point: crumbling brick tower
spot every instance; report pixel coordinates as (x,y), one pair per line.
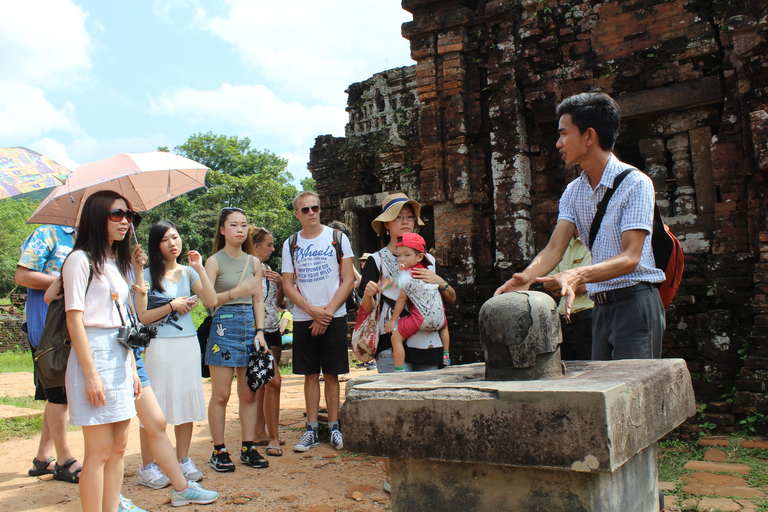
(475,142)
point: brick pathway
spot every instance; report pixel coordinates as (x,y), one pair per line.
(716,484)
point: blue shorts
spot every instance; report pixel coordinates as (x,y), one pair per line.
(143,377)
(231,340)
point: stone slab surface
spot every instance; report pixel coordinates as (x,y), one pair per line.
(9,411)
(596,417)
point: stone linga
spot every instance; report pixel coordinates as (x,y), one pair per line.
(584,440)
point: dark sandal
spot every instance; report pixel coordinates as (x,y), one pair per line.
(265,442)
(63,473)
(274,451)
(41,467)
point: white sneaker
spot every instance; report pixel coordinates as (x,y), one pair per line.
(190,471)
(192,494)
(151,476)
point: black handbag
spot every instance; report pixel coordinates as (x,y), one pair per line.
(55,343)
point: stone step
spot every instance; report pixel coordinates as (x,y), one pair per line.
(8,412)
(718,490)
(723,467)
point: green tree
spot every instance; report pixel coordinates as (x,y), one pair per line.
(13,217)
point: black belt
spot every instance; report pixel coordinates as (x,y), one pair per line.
(620,293)
(576,317)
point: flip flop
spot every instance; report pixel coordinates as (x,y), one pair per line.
(64,474)
(274,451)
(41,467)
(266,442)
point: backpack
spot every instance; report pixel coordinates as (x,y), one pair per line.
(667,250)
(55,343)
(353,301)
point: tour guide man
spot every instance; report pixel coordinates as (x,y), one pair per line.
(628,318)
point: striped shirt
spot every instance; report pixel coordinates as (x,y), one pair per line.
(631,207)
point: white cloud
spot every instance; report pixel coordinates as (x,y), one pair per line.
(297,166)
(258,110)
(54,150)
(43,42)
(314,47)
(25,113)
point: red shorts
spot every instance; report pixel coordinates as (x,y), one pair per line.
(409,325)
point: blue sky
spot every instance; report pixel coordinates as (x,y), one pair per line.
(84,80)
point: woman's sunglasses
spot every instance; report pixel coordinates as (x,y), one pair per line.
(315,209)
(229,209)
(117,215)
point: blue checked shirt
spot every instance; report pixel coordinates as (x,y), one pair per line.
(631,207)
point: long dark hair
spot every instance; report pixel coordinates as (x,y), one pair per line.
(218,240)
(93,234)
(156,260)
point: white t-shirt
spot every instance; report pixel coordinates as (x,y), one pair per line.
(317,270)
(98,308)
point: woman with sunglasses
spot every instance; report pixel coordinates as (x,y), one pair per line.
(424,350)
(268,397)
(101,379)
(236,277)
(172,360)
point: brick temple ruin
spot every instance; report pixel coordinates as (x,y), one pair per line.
(470,132)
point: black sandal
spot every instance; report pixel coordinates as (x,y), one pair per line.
(63,473)
(41,467)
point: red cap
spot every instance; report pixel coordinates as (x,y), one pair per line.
(412,240)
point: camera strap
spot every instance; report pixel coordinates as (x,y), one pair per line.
(115,297)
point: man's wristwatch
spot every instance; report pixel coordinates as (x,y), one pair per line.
(261,329)
(443,286)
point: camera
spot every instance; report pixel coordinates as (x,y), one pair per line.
(131,337)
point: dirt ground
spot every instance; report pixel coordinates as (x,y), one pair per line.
(321,480)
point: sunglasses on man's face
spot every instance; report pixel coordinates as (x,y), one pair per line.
(315,208)
(117,215)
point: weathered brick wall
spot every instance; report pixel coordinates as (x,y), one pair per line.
(691,78)
(11,334)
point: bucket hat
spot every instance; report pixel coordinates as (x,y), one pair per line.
(390,209)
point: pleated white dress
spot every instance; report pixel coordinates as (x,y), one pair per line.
(172,360)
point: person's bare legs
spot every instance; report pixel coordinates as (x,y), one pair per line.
(445,339)
(54,435)
(115,466)
(221,387)
(332,388)
(146,450)
(397,349)
(183,434)
(247,411)
(312,396)
(102,475)
(272,408)
(151,416)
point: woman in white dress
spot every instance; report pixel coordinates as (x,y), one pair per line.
(101,379)
(173,358)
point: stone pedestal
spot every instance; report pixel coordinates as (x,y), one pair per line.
(585,441)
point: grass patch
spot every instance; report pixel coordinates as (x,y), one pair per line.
(23,428)
(26,402)
(286,369)
(16,360)
(674,454)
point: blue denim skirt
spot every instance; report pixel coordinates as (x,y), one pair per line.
(231,338)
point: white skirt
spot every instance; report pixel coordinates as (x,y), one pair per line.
(113,365)
(173,367)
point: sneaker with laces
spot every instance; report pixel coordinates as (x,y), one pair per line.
(151,476)
(307,441)
(337,441)
(126,505)
(221,462)
(372,365)
(190,471)
(446,360)
(194,493)
(251,457)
